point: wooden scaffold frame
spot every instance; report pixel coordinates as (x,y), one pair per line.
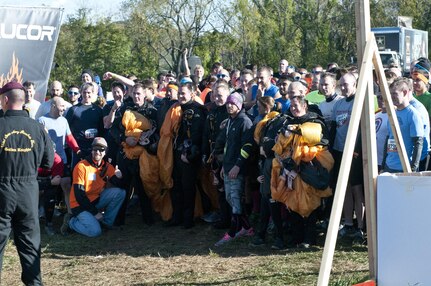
(363,111)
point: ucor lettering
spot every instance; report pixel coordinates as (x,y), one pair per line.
(26,32)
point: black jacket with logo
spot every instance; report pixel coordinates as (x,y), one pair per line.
(189,137)
(213,124)
(235,142)
(24,147)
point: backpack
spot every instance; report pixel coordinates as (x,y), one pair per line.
(314,174)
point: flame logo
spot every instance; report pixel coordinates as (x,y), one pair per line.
(15,73)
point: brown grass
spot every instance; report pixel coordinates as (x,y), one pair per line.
(156,255)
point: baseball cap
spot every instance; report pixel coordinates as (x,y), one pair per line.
(99,141)
(185,80)
(11,85)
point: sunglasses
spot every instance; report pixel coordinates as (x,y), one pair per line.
(295,96)
(72,93)
(100,149)
(221,75)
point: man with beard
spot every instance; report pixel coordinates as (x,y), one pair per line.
(187,157)
(55,89)
(264,87)
(59,131)
(283,85)
(127,162)
(93,201)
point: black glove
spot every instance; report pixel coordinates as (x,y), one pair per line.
(289,164)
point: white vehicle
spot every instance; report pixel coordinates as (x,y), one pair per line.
(401,45)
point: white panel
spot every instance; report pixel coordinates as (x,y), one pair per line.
(404,229)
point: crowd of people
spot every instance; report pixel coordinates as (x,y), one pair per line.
(225,148)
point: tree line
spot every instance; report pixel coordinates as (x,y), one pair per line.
(152,34)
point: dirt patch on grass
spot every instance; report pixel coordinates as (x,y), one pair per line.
(157,255)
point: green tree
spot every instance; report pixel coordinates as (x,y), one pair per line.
(102,46)
(153,34)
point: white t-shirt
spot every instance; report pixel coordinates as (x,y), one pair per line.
(326,108)
(381,134)
(33,107)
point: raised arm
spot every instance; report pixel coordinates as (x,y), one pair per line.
(186,62)
(117,77)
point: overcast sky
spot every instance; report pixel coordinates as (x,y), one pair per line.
(107,7)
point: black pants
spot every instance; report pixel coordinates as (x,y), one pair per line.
(19,212)
(304,228)
(48,198)
(184,190)
(132,182)
(423,165)
(225,208)
(48,195)
(270,208)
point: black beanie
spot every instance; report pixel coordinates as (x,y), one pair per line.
(88,71)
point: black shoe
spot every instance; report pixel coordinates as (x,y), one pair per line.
(188,225)
(291,243)
(64,229)
(49,229)
(304,245)
(172,222)
(257,241)
(278,244)
(148,221)
(221,225)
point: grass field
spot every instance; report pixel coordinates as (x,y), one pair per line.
(156,255)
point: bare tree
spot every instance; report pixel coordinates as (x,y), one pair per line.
(170,26)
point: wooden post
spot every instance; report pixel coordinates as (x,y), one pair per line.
(369,154)
(368,131)
(366,43)
(346,162)
(370,55)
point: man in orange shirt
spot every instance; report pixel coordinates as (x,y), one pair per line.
(94,199)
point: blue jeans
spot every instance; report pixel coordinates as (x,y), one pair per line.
(86,223)
(234,189)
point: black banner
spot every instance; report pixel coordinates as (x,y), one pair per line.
(28,37)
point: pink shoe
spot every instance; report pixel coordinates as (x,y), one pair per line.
(225,239)
(245,232)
